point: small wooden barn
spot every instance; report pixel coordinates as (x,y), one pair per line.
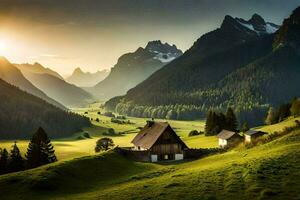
(252,135)
(228,138)
(160,140)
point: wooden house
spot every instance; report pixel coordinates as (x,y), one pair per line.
(160,140)
(252,135)
(228,138)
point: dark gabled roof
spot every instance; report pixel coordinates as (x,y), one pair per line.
(225,134)
(252,132)
(149,134)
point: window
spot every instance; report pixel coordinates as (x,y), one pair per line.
(166,157)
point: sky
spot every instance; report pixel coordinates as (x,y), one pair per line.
(93,34)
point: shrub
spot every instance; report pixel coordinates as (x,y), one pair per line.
(193,133)
(104,144)
(86,135)
(121,117)
(109,114)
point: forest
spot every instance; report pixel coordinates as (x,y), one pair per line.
(22,113)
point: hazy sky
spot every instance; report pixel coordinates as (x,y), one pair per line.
(92,34)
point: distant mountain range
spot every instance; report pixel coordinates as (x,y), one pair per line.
(86,79)
(12,75)
(58,89)
(133,68)
(245,64)
(22,114)
(38,69)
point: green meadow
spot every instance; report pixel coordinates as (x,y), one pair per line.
(268,171)
(78,146)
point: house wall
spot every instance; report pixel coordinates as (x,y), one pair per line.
(138,148)
(178,156)
(154,158)
(247,138)
(167,143)
(222,142)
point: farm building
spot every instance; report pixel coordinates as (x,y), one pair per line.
(228,138)
(161,141)
(252,135)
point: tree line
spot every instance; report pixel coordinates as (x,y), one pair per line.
(284,111)
(40,151)
(216,122)
(22,113)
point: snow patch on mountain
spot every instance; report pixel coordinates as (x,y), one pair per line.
(270,28)
(165,58)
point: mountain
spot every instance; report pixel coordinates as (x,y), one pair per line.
(236,65)
(14,76)
(86,79)
(38,69)
(22,113)
(133,68)
(58,89)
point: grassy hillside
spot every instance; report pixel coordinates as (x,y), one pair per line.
(269,171)
(279,126)
(72,147)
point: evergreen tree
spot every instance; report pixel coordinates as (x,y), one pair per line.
(209,123)
(283,112)
(40,150)
(16,162)
(295,108)
(3,161)
(271,117)
(231,120)
(245,127)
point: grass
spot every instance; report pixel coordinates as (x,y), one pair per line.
(75,146)
(279,126)
(72,147)
(269,171)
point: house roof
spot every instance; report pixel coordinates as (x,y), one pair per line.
(225,134)
(252,132)
(150,133)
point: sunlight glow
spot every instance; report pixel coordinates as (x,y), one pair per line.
(3,48)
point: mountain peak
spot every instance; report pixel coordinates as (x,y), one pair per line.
(156,46)
(78,71)
(153,44)
(257,19)
(256,25)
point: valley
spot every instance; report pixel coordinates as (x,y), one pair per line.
(147,100)
(259,172)
(77,146)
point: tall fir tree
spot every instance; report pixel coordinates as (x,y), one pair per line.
(3,161)
(271,117)
(231,120)
(245,127)
(40,150)
(295,107)
(16,162)
(209,123)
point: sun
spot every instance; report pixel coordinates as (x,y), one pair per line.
(3,48)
